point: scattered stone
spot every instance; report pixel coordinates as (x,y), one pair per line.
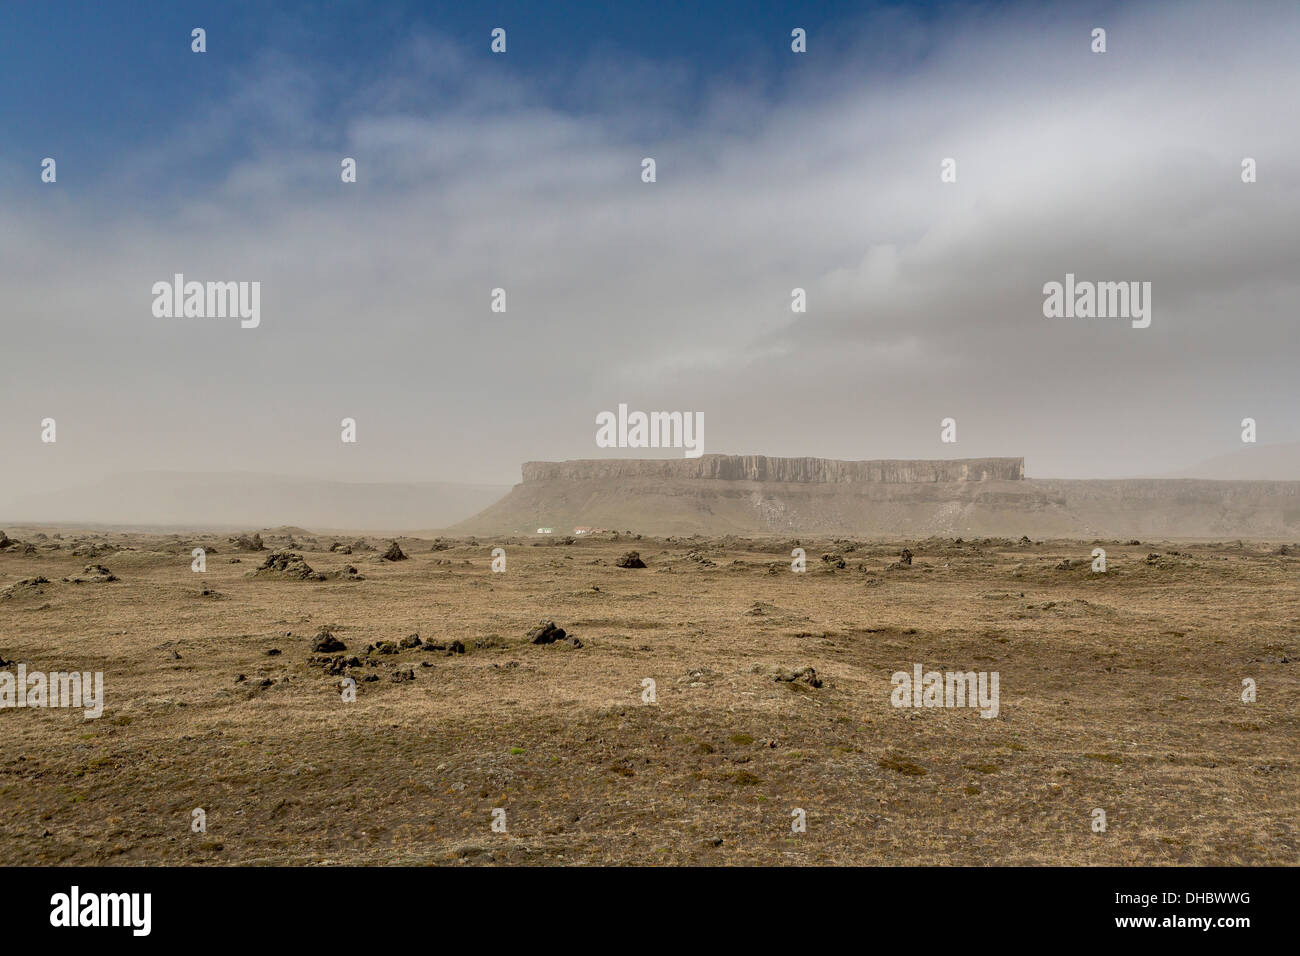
(327,643)
(905,557)
(456,647)
(348,573)
(6,541)
(412,640)
(834,560)
(394,553)
(546,633)
(401,676)
(630,560)
(92,574)
(1064,565)
(385,647)
(335,665)
(23,588)
(575,642)
(245,543)
(273,652)
(173,655)
(1153,558)
(340,548)
(805,674)
(698,677)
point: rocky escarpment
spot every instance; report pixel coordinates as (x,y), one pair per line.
(762,468)
(880,499)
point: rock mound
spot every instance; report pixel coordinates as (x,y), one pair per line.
(804,674)
(546,633)
(287,564)
(327,643)
(92,574)
(24,588)
(394,553)
(630,560)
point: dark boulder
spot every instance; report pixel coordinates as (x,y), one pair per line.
(327,643)
(546,633)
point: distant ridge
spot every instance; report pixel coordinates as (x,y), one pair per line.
(242,500)
(1275,462)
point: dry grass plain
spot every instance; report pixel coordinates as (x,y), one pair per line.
(1119,691)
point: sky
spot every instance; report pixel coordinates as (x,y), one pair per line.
(775,170)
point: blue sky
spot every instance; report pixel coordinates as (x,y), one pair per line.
(89,80)
(775,171)
(106,87)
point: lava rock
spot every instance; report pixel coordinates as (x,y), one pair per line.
(327,643)
(805,674)
(289,565)
(546,633)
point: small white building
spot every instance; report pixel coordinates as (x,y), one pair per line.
(545,531)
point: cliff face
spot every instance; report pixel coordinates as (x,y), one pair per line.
(762,468)
(725,494)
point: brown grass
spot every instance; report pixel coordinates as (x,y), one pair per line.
(1118,691)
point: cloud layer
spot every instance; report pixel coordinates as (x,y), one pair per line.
(924,298)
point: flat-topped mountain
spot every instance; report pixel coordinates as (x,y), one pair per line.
(762,468)
(753,494)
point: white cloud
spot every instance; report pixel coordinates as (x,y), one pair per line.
(924,298)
